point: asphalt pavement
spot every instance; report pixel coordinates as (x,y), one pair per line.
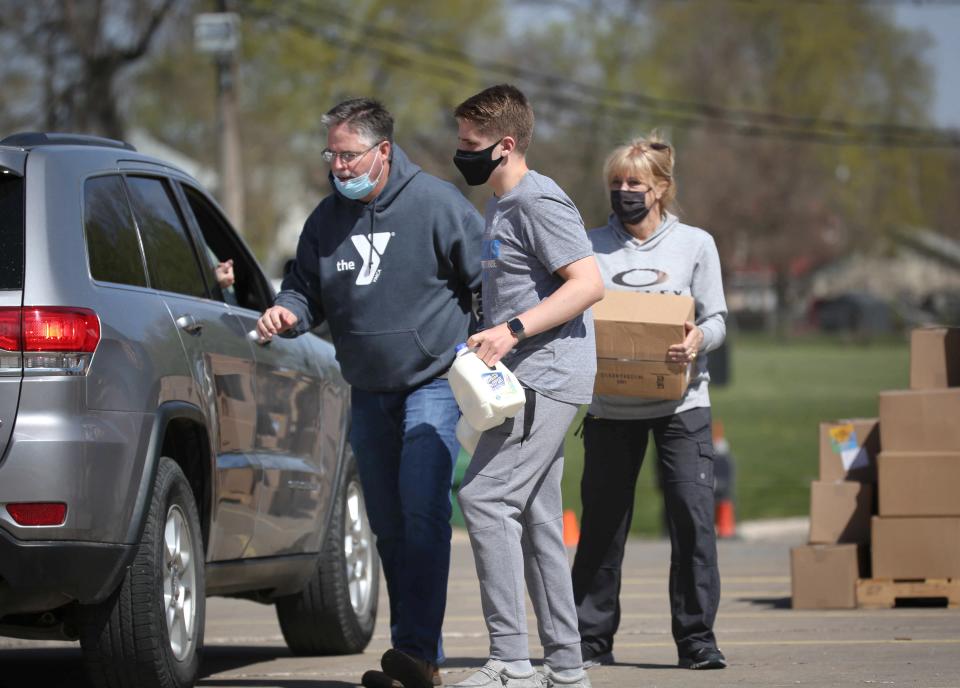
(766,642)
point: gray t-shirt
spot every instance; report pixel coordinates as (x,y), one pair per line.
(531,231)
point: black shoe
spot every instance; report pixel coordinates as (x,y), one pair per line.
(704,658)
(378,679)
(412,672)
(603,659)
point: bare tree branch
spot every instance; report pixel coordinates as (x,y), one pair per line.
(141,46)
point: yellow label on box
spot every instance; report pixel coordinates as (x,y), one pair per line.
(843,437)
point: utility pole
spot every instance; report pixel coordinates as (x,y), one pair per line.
(218,33)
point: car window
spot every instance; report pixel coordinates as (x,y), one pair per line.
(249,289)
(11,232)
(171,260)
(113,248)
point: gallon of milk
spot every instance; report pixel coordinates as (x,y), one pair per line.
(486,396)
(467,436)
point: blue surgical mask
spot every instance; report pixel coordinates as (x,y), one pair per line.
(360,186)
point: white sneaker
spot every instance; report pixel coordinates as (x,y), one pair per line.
(494,674)
(554,681)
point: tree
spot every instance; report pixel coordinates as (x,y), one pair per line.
(768,186)
(772,201)
(79,51)
(297,60)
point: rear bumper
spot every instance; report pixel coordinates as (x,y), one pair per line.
(92,461)
(83,571)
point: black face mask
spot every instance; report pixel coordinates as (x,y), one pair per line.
(629,206)
(477,166)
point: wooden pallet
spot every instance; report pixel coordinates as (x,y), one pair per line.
(883,593)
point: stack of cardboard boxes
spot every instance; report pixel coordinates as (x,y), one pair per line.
(825,572)
(915,538)
(916,534)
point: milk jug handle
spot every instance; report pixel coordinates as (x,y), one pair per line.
(463,348)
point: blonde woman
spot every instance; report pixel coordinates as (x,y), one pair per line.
(644,247)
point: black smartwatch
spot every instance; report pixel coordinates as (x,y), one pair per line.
(516,328)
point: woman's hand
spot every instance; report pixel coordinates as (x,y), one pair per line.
(493,344)
(686,352)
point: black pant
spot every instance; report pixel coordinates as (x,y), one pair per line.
(613,454)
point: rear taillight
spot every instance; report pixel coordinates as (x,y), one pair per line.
(38,513)
(10,329)
(54,340)
(50,328)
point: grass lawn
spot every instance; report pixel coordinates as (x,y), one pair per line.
(771,411)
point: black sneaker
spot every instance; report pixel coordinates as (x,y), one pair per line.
(603,659)
(378,679)
(412,672)
(704,658)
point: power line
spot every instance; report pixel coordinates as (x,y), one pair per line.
(840,3)
(680,113)
(837,3)
(751,120)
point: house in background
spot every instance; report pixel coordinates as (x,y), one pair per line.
(915,282)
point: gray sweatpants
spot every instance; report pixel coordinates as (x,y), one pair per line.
(510,498)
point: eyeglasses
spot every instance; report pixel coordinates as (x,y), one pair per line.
(346,157)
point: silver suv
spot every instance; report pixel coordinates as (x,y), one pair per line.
(151,453)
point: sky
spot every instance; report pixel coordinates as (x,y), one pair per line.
(942,22)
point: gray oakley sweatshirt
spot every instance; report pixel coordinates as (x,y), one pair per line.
(675,259)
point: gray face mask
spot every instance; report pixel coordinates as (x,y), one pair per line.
(629,206)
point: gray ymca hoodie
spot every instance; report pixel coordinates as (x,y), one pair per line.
(393,277)
(675,259)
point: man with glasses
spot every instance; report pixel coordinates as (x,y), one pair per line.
(391,260)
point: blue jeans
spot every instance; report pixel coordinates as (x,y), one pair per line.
(406,449)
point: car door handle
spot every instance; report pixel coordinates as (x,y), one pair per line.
(254,337)
(188,323)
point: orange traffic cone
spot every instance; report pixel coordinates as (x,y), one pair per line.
(724,519)
(571,531)
(723,515)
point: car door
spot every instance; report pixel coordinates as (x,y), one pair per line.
(220,355)
(12,237)
(292,384)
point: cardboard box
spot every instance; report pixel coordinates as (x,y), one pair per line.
(916,547)
(918,483)
(920,420)
(634,331)
(934,358)
(840,512)
(848,450)
(825,576)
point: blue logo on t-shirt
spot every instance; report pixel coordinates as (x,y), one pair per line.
(489,253)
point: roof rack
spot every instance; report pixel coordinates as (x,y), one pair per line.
(32,139)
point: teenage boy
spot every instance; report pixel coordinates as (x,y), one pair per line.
(539,279)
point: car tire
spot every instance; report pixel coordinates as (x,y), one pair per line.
(336,611)
(149,632)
